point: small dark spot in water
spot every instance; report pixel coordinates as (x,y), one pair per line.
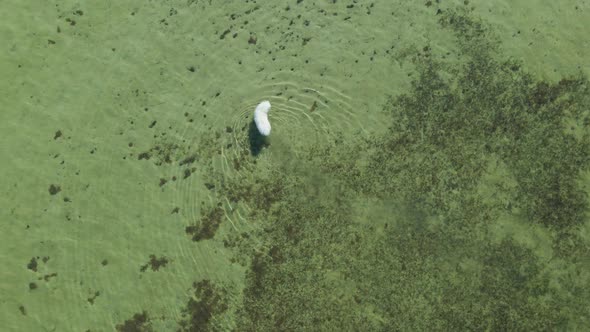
(139,323)
(54,189)
(188,160)
(93,297)
(144,155)
(313,106)
(187,172)
(155,263)
(222,36)
(48,276)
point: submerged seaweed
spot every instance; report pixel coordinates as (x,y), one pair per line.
(399,232)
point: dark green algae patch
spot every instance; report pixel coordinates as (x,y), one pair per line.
(398,231)
(432,261)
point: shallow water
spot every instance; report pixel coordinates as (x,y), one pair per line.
(427,167)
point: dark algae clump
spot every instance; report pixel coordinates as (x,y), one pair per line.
(201,310)
(412,238)
(155,263)
(488,112)
(140,322)
(207,226)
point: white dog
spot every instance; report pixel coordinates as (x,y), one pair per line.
(261,118)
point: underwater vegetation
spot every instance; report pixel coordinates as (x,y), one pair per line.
(399,231)
(208,301)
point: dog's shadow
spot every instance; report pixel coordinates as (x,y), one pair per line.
(256,139)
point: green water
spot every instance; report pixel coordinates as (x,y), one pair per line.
(427,170)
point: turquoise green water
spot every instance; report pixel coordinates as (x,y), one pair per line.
(427,170)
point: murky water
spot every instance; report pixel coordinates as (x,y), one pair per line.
(428,166)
